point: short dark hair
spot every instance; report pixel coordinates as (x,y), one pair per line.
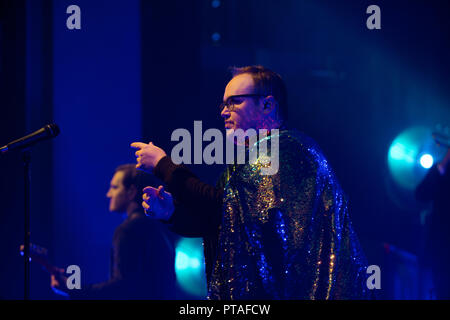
(267,82)
(137,178)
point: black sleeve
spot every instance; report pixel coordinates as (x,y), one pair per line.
(426,190)
(197,204)
(126,259)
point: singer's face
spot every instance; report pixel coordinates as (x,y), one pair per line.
(246,112)
(117,194)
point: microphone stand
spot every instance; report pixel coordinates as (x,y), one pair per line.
(47,132)
(26,158)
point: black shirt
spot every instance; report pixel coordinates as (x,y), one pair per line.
(142,263)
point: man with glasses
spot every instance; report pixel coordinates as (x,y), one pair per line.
(282,236)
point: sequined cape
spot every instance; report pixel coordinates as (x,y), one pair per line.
(281,236)
(287,235)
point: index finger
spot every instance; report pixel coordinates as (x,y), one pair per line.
(138,145)
(149,190)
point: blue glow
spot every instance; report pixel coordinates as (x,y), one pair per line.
(215,36)
(215,4)
(426,161)
(402,152)
(181,261)
(194,263)
(404,156)
(189,266)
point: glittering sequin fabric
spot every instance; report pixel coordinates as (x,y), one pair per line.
(287,235)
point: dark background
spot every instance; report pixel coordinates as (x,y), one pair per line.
(137,70)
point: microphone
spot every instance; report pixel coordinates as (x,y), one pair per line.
(47,132)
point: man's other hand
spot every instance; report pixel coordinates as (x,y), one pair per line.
(157,203)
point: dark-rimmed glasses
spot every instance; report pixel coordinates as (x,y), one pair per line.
(230,102)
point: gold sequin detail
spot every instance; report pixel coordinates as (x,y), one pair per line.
(287,235)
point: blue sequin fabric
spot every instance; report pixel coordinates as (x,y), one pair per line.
(287,235)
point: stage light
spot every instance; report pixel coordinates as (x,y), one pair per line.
(412,151)
(215,36)
(426,161)
(215,4)
(181,261)
(189,266)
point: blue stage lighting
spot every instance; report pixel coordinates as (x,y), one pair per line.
(412,151)
(190,267)
(215,36)
(215,4)
(426,161)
